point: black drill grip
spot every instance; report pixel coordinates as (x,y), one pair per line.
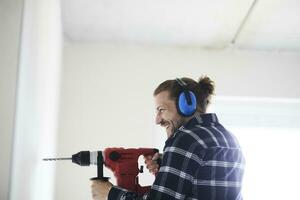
(100,168)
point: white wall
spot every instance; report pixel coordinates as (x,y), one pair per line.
(10,20)
(37,101)
(107,94)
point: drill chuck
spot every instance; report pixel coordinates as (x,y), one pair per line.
(81,158)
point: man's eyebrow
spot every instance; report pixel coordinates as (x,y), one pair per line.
(158,107)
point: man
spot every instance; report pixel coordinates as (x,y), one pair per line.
(201,159)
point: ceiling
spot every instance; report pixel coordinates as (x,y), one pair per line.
(214,24)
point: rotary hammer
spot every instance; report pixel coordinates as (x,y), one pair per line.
(123,162)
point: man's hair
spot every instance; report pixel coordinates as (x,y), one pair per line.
(203,89)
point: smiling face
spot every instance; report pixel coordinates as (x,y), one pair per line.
(166,113)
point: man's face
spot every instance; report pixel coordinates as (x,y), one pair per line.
(166,113)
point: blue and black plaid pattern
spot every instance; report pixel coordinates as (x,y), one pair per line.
(202,160)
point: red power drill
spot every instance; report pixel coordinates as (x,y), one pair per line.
(123,162)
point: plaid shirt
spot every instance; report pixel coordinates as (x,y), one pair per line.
(202,160)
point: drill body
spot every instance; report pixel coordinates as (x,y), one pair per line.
(123,163)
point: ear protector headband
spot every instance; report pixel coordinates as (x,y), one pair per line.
(186,101)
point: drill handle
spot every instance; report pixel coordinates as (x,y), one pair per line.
(100,163)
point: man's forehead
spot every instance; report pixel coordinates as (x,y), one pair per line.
(164,94)
(163,99)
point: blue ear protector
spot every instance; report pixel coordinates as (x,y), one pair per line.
(186,100)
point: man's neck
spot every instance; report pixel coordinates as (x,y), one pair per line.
(186,119)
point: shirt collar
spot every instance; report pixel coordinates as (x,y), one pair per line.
(202,119)
(206,119)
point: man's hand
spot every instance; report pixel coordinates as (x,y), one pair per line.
(100,189)
(151,163)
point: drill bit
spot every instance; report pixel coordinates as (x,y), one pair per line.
(55,159)
(81,158)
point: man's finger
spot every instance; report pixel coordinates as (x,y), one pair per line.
(153,167)
(155,156)
(154,171)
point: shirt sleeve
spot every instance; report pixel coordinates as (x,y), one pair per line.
(120,193)
(175,176)
(179,164)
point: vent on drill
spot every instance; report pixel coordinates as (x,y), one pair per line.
(114,156)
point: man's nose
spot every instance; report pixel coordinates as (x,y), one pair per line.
(158,119)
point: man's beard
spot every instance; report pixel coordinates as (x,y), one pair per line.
(176,125)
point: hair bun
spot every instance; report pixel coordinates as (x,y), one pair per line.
(207,86)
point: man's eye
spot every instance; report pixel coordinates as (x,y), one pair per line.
(161,110)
